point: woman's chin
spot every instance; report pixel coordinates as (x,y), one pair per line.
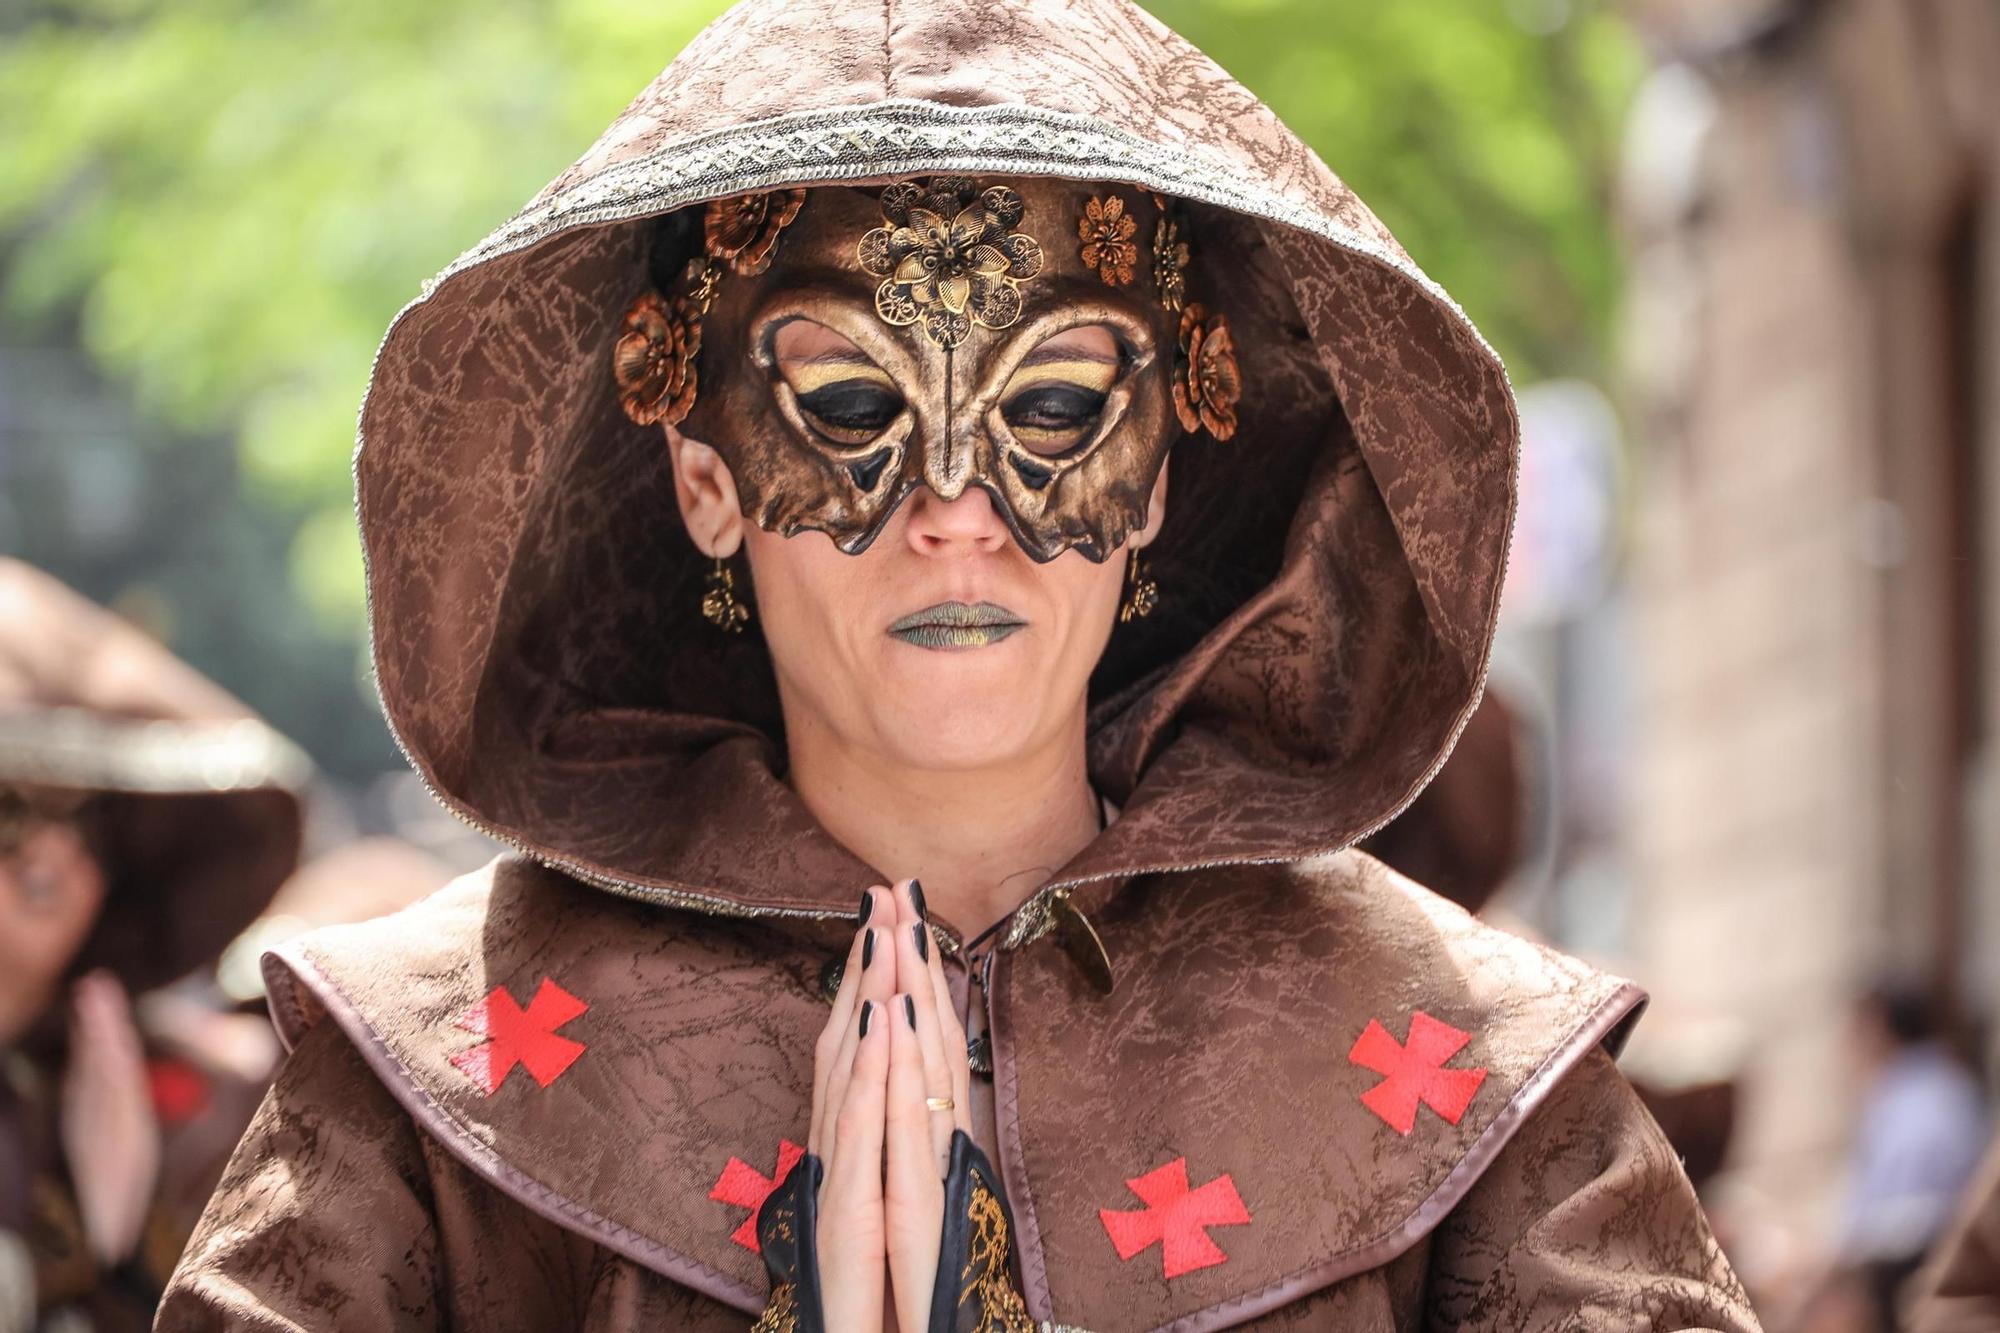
(967,707)
(942,733)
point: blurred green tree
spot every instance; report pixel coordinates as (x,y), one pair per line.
(228,200)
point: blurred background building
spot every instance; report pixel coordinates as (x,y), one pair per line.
(1742,258)
(1812,200)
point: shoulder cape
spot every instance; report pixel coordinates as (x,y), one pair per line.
(1301,1070)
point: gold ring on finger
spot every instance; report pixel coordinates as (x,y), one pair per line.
(939,1103)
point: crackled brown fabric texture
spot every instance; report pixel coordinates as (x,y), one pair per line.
(543,661)
(526,572)
(381,1188)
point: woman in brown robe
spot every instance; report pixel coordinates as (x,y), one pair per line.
(756,518)
(145,817)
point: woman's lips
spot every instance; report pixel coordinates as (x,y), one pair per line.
(957,625)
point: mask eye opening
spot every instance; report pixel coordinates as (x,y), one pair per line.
(850,413)
(838,395)
(1063,413)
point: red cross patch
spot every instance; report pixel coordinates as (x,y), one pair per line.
(742,1185)
(1176,1217)
(517,1036)
(1413,1071)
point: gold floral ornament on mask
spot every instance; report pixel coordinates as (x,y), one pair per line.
(1106,231)
(653,362)
(949,258)
(1207,383)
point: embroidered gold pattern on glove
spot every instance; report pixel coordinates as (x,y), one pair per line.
(985,1279)
(781,1315)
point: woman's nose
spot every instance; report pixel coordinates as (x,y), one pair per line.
(943,527)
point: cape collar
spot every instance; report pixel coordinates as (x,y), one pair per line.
(639,1076)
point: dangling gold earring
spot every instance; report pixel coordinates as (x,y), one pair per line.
(720,605)
(1141,593)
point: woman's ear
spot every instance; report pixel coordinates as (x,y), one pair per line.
(1156,509)
(707,495)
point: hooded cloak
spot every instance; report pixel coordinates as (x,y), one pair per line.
(1283,1037)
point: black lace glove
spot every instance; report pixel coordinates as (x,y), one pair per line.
(973,1291)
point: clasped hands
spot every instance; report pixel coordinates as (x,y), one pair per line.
(893,1049)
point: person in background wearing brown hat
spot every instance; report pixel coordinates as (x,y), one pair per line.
(145,817)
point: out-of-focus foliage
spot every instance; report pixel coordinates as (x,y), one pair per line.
(1484,132)
(230,199)
(242,193)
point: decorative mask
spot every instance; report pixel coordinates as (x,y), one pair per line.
(915,336)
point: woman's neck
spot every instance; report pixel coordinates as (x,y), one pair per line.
(981,840)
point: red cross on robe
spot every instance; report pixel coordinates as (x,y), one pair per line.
(742,1185)
(1413,1071)
(1176,1217)
(517,1036)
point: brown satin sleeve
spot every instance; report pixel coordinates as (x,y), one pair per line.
(1585,1221)
(323,1219)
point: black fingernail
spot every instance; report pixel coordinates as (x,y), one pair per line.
(867,949)
(910,1011)
(866,1007)
(867,906)
(923,942)
(917,897)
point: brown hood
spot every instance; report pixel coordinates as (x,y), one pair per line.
(535,601)
(207,817)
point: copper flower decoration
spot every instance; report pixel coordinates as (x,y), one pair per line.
(1106,231)
(1207,383)
(1170,261)
(744,229)
(654,359)
(948,258)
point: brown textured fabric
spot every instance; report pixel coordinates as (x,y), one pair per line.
(376,1167)
(1958,1290)
(1468,832)
(542,659)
